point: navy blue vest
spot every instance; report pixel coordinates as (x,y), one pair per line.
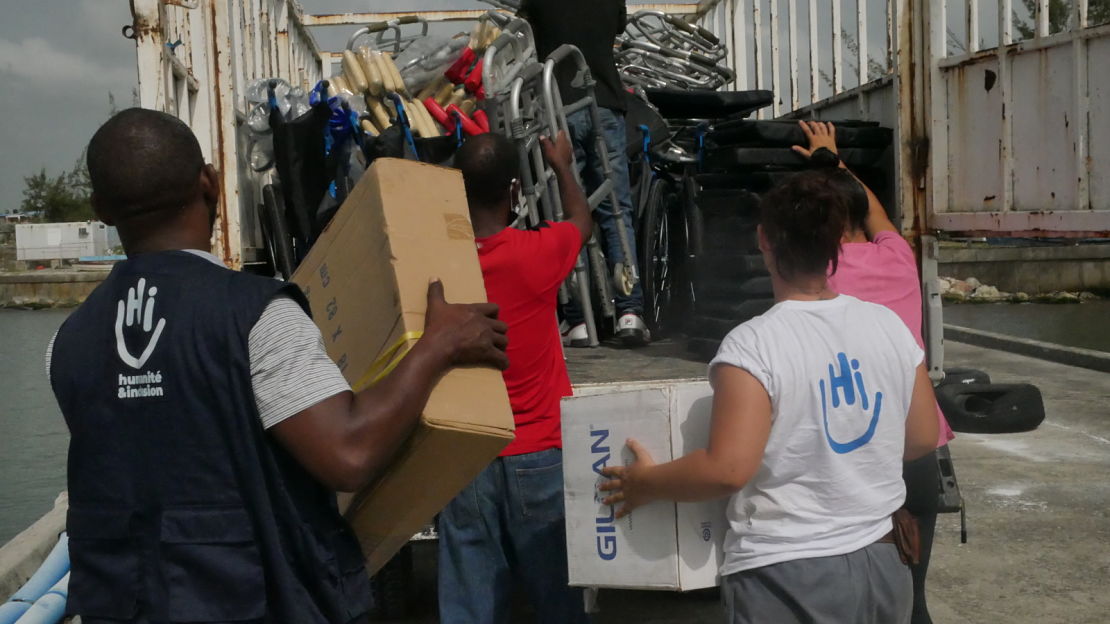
(182,508)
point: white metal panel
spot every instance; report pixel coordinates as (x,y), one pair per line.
(837,47)
(776,65)
(937,46)
(814,55)
(739,11)
(792,27)
(1051,157)
(1044,131)
(861,41)
(1082,105)
(975,126)
(1098,134)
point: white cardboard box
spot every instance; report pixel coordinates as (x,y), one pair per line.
(659,546)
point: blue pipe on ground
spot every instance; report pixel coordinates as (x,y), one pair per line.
(53,569)
(12,611)
(51,607)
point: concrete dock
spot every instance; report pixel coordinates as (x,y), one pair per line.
(49,288)
(1038,505)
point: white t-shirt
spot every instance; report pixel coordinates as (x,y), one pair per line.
(290,370)
(840,374)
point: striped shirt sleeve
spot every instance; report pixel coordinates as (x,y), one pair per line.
(50,355)
(290,370)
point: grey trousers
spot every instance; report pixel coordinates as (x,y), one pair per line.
(868,586)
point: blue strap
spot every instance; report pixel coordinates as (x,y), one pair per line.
(404,120)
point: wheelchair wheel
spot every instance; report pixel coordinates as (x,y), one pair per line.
(661,234)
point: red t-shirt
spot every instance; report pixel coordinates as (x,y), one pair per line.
(523,270)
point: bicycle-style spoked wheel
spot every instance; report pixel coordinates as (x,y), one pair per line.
(659,268)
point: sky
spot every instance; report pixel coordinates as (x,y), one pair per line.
(61,60)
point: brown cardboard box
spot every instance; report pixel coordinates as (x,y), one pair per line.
(366,279)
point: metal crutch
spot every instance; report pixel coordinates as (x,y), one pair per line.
(533,116)
(512,78)
(626,274)
(398,40)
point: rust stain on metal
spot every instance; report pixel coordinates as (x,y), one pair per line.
(992,233)
(223,233)
(142,25)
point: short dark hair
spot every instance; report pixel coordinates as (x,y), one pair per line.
(803,219)
(489,164)
(141,161)
(858,205)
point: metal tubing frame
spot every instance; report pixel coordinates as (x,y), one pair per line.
(608,186)
(529,107)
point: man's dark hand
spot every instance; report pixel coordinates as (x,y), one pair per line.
(469,334)
(559,154)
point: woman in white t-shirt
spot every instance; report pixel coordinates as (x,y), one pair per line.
(816,405)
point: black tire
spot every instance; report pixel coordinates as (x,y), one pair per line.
(782,133)
(731,265)
(392,586)
(661,259)
(731,234)
(964,376)
(733,159)
(732,289)
(276,232)
(756,182)
(991,408)
(695,225)
(729,203)
(711,328)
(703,348)
(729,308)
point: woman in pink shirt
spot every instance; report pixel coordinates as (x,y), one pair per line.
(877,265)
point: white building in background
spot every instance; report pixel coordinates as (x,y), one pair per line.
(61,241)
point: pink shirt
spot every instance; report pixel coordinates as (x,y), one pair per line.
(884,271)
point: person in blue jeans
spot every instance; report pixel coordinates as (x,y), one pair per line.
(507,528)
(592,26)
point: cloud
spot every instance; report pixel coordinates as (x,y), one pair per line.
(104,17)
(36,60)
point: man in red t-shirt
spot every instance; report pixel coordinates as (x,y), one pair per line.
(507,527)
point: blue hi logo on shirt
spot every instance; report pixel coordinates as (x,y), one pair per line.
(847,387)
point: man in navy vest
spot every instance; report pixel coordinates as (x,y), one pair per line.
(208,427)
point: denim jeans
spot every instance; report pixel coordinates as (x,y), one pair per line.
(583,137)
(507,530)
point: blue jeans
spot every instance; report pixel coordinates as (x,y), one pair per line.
(507,529)
(583,137)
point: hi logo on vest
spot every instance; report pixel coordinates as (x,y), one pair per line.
(847,387)
(136,311)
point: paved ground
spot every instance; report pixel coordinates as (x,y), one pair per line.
(1038,505)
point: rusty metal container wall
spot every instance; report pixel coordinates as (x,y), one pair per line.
(195,59)
(1024,146)
(1004,140)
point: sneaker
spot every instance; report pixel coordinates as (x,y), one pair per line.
(576,336)
(632,331)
